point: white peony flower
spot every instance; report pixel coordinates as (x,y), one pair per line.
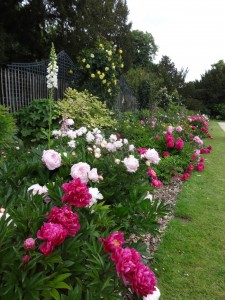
(37,189)
(96,195)
(93,175)
(71,144)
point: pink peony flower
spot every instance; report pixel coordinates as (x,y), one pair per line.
(185,176)
(47,248)
(77,193)
(53,234)
(113,241)
(142,150)
(156,136)
(156,183)
(166,153)
(169,141)
(66,217)
(151,173)
(200,167)
(25,259)
(190,168)
(131,163)
(179,129)
(29,244)
(179,144)
(80,170)
(202,159)
(143,280)
(126,260)
(51,159)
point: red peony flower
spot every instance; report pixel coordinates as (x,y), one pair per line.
(66,217)
(200,167)
(151,173)
(179,144)
(143,280)
(113,241)
(77,193)
(47,248)
(202,159)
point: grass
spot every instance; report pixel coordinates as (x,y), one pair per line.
(190,261)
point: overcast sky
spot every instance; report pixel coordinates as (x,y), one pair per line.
(190,32)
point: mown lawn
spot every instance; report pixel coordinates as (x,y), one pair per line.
(190,261)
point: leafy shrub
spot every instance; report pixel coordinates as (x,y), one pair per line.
(33,119)
(85,109)
(7,126)
(195,105)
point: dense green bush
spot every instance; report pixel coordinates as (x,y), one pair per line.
(33,119)
(85,109)
(7,126)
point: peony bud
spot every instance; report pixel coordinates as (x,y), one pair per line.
(29,244)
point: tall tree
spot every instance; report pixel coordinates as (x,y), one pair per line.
(172,77)
(72,25)
(143,48)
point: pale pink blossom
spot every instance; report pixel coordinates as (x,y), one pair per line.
(131,163)
(170,129)
(51,159)
(113,138)
(80,170)
(93,175)
(153,156)
(179,129)
(90,137)
(131,148)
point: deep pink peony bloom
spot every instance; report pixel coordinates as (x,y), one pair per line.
(113,241)
(179,144)
(190,168)
(77,193)
(156,183)
(126,260)
(151,173)
(166,153)
(202,159)
(143,280)
(66,217)
(29,244)
(47,248)
(200,167)
(169,140)
(156,136)
(25,259)
(142,150)
(185,176)
(52,232)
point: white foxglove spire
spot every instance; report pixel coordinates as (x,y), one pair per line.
(52,70)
